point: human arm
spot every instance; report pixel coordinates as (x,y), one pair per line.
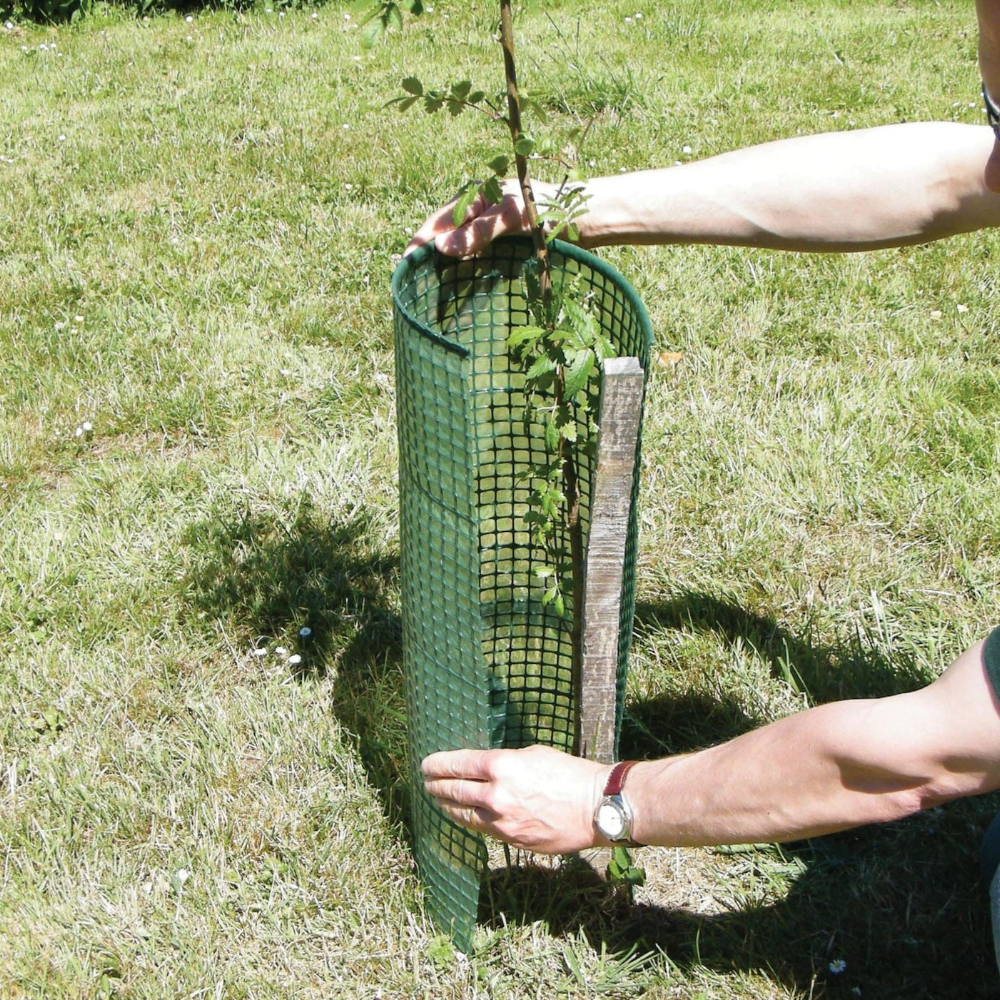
(830,768)
(829,192)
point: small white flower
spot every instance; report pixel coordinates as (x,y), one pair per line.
(294,659)
(638,15)
(628,20)
(259,651)
(837,966)
(87,426)
(78,432)
(346,125)
(9,25)
(189,19)
(348,187)
(183,875)
(77,319)
(62,138)
(686,150)
(963,309)
(305,632)
(936,314)
(280,651)
(314,16)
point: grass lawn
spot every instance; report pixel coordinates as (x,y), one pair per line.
(198,219)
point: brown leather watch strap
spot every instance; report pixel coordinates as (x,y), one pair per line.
(616,779)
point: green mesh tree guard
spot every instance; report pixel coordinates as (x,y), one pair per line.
(486,664)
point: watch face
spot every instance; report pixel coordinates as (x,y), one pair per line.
(610,820)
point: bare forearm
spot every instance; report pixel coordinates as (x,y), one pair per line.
(831,768)
(830,192)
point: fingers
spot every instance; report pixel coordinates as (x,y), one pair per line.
(483,223)
(468,765)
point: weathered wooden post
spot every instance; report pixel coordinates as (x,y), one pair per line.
(611,500)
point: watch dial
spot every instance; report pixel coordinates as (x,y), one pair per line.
(610,821)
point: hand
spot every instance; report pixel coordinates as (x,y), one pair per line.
(483,222)
(538,799)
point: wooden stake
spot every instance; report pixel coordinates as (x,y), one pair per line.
(611,498)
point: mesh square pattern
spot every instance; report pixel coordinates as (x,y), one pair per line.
(486,664)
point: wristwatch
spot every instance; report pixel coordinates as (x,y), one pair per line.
(613,815)
(992,113)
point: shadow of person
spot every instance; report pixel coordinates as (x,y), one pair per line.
(269,573)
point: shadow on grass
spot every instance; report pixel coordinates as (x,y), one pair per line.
(268,573)
(855,669)
(899,905)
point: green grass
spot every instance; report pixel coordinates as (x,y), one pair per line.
(197,228)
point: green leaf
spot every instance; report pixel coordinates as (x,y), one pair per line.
(559,606)
(416,7)
(393,16)
(492,191)
(499,165)
(402,103)
(524,146)
(460,91)
(413,86)
(465,198)
(542,366)
(577,374)
(524,335)
(475,97)
(580,322)
(568,430)
(551,435)
(374,32)
(550,595)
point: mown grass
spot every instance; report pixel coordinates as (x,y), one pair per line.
(197,226)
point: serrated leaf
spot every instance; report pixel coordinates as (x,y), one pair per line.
(559,606)
(524,146)
(460,91)
(577,374)
(499,164)
(433,102)
(550,595)
(542,366)
(416,7)
(524,335)
(544,572)
(413,86)
(403,103)
(580,322)
(393,16)
(475,97)
(568,431)
(465,199)
(492,191)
